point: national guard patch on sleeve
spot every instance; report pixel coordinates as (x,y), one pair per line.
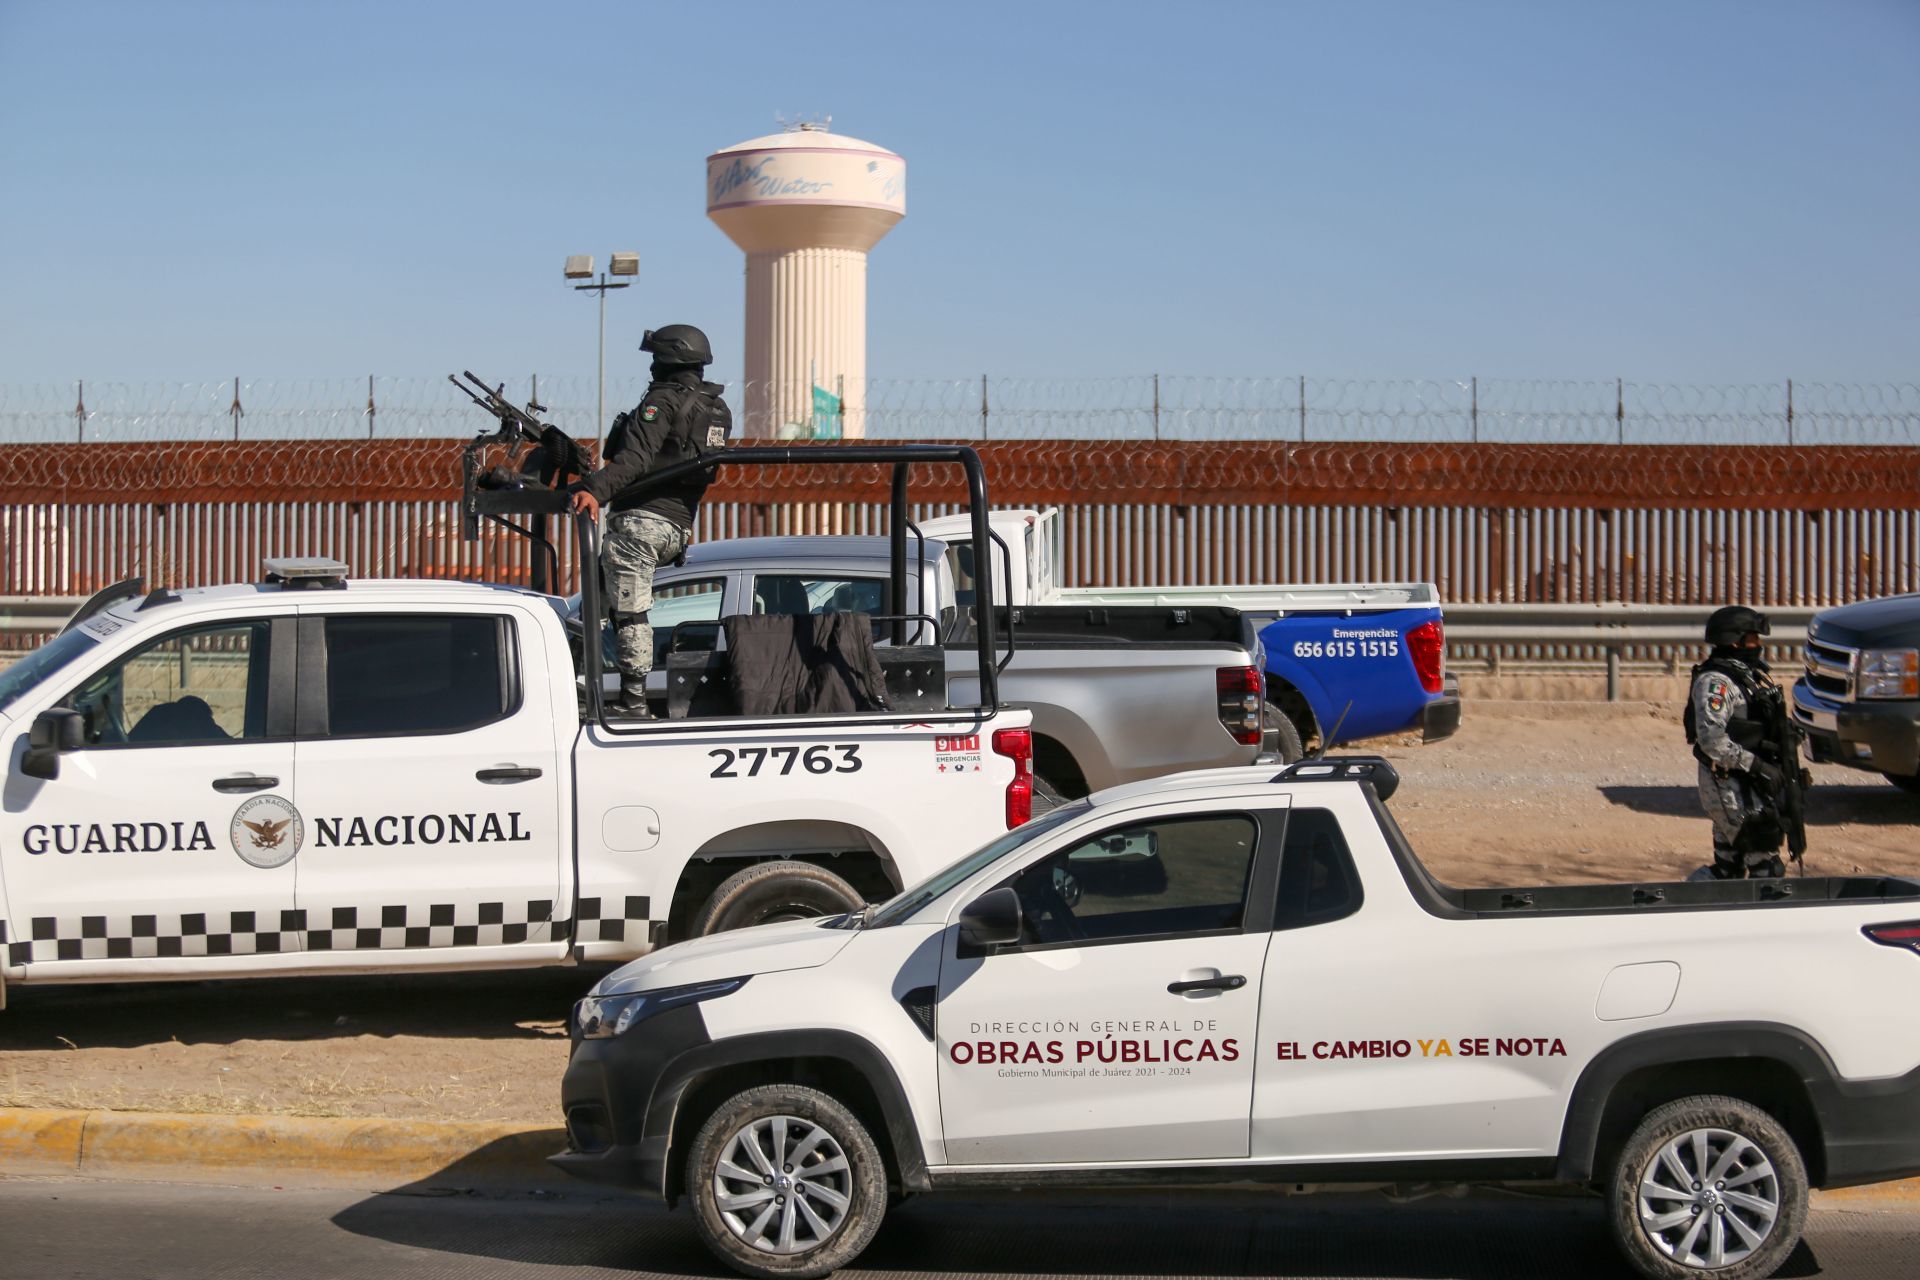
(1717,695)
(649,413)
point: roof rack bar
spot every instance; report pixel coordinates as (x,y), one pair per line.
(1372,770)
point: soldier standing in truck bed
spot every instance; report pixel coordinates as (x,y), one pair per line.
(681,418)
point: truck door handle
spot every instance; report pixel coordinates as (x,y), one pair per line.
(1226,982)
(508,773)
(245,782)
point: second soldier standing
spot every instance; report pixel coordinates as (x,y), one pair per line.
(1734,723)
(681,417)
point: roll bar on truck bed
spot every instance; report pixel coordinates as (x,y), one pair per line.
(536,487)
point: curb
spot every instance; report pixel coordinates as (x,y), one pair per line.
(307,1150)
(373,1153)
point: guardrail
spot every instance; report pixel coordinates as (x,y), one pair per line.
(1513,630)
(34,614)
(1509,631)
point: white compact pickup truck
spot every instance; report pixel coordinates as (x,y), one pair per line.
(1243,976)
(319,773)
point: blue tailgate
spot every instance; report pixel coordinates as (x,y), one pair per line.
(1365,659)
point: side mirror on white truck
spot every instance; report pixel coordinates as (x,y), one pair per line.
(991,920)
(55,730)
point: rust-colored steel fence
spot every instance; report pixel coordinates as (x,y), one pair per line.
(1487,522)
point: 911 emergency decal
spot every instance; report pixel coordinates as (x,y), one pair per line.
(957,754)
(266,832)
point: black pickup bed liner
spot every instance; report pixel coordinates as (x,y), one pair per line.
(1095,626)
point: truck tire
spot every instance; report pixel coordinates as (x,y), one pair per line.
(786,1183)
(1283,735)
(770,891)
(1905,782)
(1708,1186)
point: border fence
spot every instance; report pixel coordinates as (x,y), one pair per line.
(1143,408)
(1800,526)
(1502,492)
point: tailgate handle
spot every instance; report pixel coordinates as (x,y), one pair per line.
(1228,982)
(508,773)
(245,782)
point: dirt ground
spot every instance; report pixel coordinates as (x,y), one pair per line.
(1527,793)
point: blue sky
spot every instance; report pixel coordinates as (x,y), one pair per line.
(1706,191)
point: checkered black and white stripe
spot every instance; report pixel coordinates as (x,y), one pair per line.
(391,927)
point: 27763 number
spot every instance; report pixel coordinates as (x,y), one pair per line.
(818,758)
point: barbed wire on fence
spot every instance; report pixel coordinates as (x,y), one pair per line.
(1147,407)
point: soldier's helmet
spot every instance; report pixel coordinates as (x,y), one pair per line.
(1731,625)
(678,344)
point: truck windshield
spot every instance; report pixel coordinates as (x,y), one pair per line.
(37,666)
(914,897)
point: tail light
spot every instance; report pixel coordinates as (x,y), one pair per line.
(1428,645)
(1896,935)
(1240,702)
(1017,745)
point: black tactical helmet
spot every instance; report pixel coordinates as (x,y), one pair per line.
(1731,625)
(678,344)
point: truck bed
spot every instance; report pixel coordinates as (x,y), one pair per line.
(1270,600)
(1451,902)
(1103,626)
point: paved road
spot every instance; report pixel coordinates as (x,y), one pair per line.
(72,1229)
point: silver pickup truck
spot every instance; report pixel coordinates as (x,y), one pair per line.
(1118,693)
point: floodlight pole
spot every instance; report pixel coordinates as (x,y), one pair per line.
(600,405)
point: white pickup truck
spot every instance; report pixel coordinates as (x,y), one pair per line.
(1243,976)
(313,773)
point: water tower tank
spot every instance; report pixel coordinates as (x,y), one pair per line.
(805,206)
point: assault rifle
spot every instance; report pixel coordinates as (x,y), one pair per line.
(1770,733)
(543,461)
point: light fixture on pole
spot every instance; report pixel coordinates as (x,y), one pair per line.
(580,267)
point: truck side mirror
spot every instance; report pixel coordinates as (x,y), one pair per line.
(991,920)
(53,731)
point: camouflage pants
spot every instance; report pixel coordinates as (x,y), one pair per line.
(1730,804)
(636,544)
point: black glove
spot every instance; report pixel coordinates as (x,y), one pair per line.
(1769,773)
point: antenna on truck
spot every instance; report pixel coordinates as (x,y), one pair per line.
(1328,739)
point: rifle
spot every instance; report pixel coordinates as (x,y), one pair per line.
(1774,737)
(559,454)
(540,473)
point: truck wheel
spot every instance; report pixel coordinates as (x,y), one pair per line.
(1903,781)
(1708,1186)
(785,1182)
(771,891)
(1283,736)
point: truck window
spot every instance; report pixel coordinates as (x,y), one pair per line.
(389,675)
(960,568)
(27,673)
(1171,876)
(695,601)
(203,684)
(1318,881)
(805,593)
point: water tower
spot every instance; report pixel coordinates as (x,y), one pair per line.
(806,205)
